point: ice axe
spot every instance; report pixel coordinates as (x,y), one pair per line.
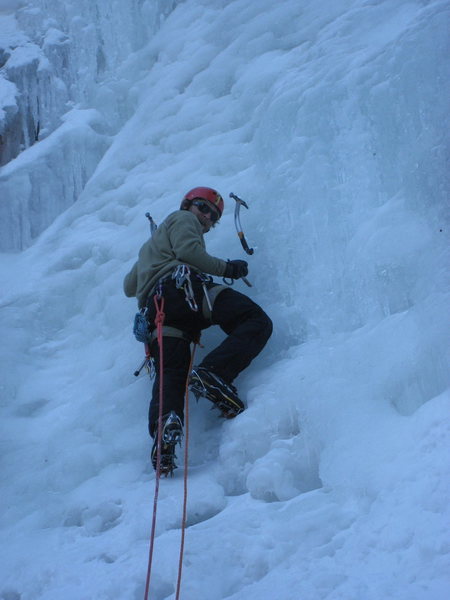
(153,225)
(237,222)
(140,320)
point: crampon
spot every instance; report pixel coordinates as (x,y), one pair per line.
(204,383)
(172,434)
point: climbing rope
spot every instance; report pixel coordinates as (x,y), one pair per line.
(159,321)
(185,492)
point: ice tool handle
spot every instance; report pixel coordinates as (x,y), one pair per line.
(237,221)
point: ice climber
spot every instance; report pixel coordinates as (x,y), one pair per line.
(174,265)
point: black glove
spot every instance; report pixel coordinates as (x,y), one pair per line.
(236,269)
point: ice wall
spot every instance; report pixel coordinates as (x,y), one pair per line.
(353,150)
(361,170)
(55,57)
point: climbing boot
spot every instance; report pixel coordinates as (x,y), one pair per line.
(172,433)
(223,395)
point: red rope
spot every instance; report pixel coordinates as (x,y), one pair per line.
(186,445)
(159,320)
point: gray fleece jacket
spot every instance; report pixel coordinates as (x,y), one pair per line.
(178,240)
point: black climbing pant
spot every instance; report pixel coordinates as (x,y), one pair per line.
(247,327)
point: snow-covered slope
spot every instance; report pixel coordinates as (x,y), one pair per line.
(329,119)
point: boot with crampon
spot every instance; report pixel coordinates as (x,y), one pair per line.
(207,384)
(172,434)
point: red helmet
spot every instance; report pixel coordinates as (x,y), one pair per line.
(204,193)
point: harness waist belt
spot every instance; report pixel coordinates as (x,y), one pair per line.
(169,331)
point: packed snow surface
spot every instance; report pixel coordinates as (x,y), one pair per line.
(330,119)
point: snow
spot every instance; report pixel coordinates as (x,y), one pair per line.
(330,120)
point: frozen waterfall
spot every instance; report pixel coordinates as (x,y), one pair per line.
(331,120)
